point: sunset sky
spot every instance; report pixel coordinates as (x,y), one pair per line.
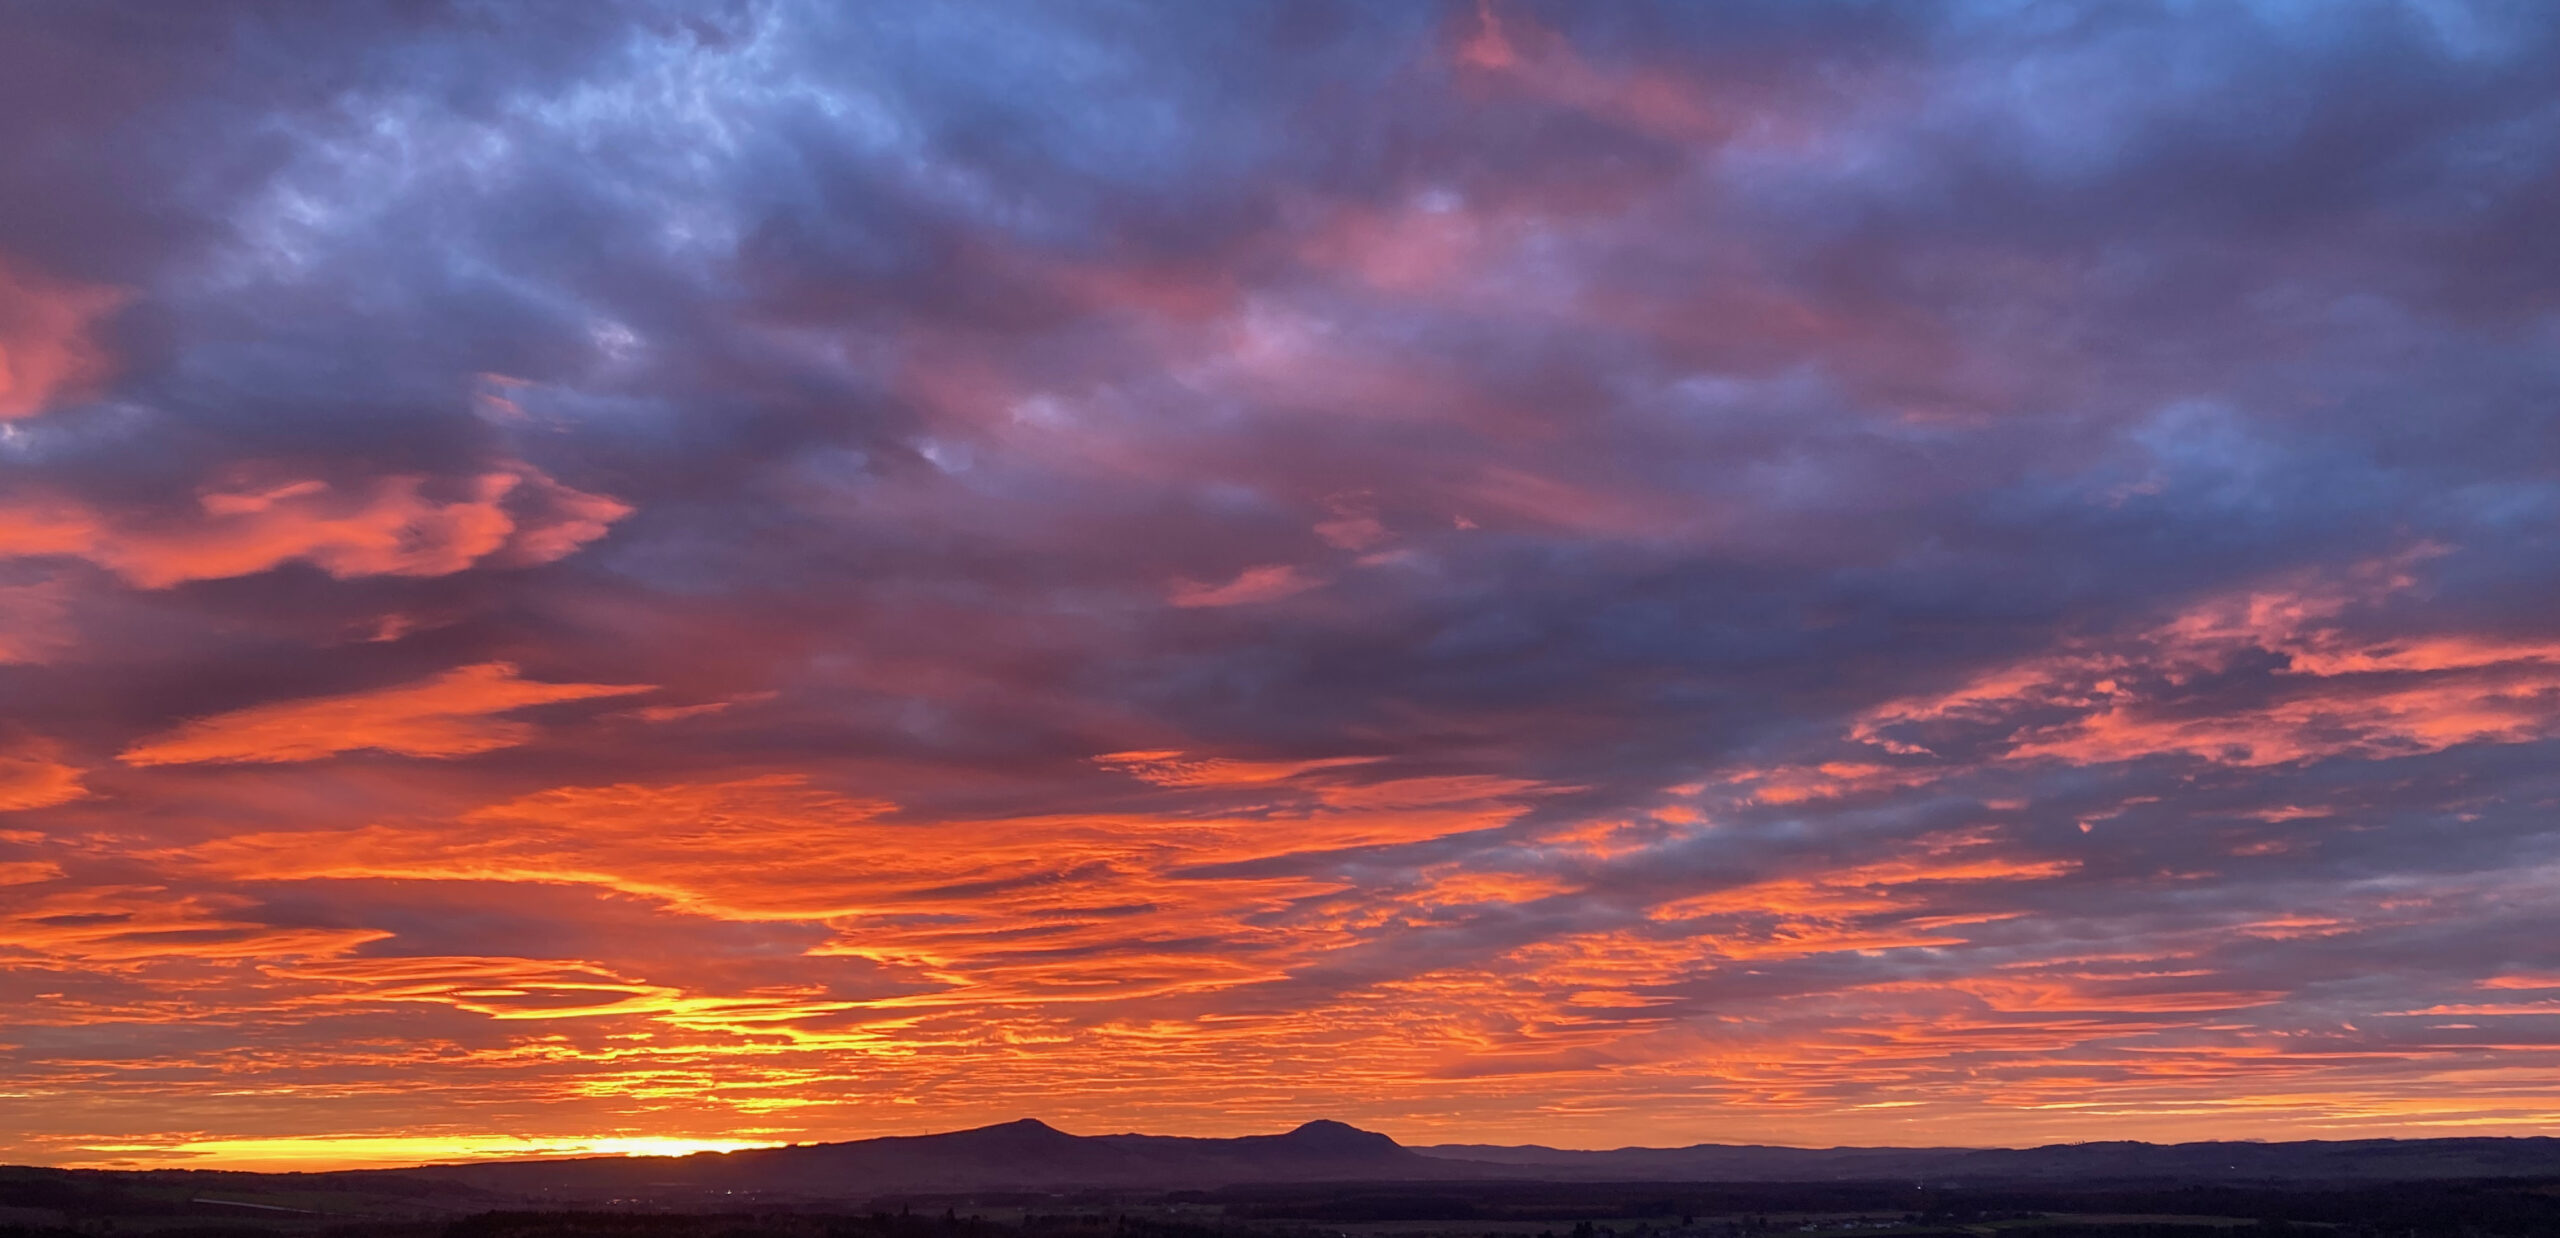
(641,576)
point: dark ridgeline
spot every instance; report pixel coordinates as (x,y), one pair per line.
(2360,1160)
(1031,1154)
(1026,1154)
(1029,1180)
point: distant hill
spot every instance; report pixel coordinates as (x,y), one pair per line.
(1029,1154)
(2364,1160)
(1034,1158)
(1032,1155)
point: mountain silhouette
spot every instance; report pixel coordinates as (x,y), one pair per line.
(1031,1155)
(1034,1158)
(2360,1160)
(1026,1154)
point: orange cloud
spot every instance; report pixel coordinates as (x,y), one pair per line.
(34,776)
(1452,885)
(450,715)
(148,922)
(2545,1007)
(2525,981)
(28,872)
(1944,860)
(752,848)
(47,352)
(395,526)
(2139,994)
(518,989)
(1795,784)
(1221,933)
(1074,909)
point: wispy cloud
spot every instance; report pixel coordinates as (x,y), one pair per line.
(450,715)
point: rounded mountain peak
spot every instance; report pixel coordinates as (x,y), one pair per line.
(1021,1131)
(1331,1135)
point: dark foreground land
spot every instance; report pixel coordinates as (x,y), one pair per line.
(1327,1180)
(197,1204)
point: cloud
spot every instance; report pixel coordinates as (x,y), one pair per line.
(1175,768)
(110,923)
(391,526)
(35,621)
(1268,583)
(981,908)
(449,715)
(33,775)
(2264,677)
(48,350)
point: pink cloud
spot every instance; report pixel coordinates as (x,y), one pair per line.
(1353,526)
(1172,768)
(394,526)
(47,352)
(1509,51)
(1268,583)
(35,622)
(2330,692)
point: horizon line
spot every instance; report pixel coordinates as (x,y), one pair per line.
(528,1149)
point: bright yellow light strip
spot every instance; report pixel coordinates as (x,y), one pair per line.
(384,1151)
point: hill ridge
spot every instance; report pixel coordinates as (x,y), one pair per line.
(1030,1155)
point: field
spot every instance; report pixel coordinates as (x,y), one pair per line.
(39,1203)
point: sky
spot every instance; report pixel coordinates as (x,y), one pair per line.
(640,576)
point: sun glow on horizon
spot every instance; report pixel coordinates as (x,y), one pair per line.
(311,1153)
